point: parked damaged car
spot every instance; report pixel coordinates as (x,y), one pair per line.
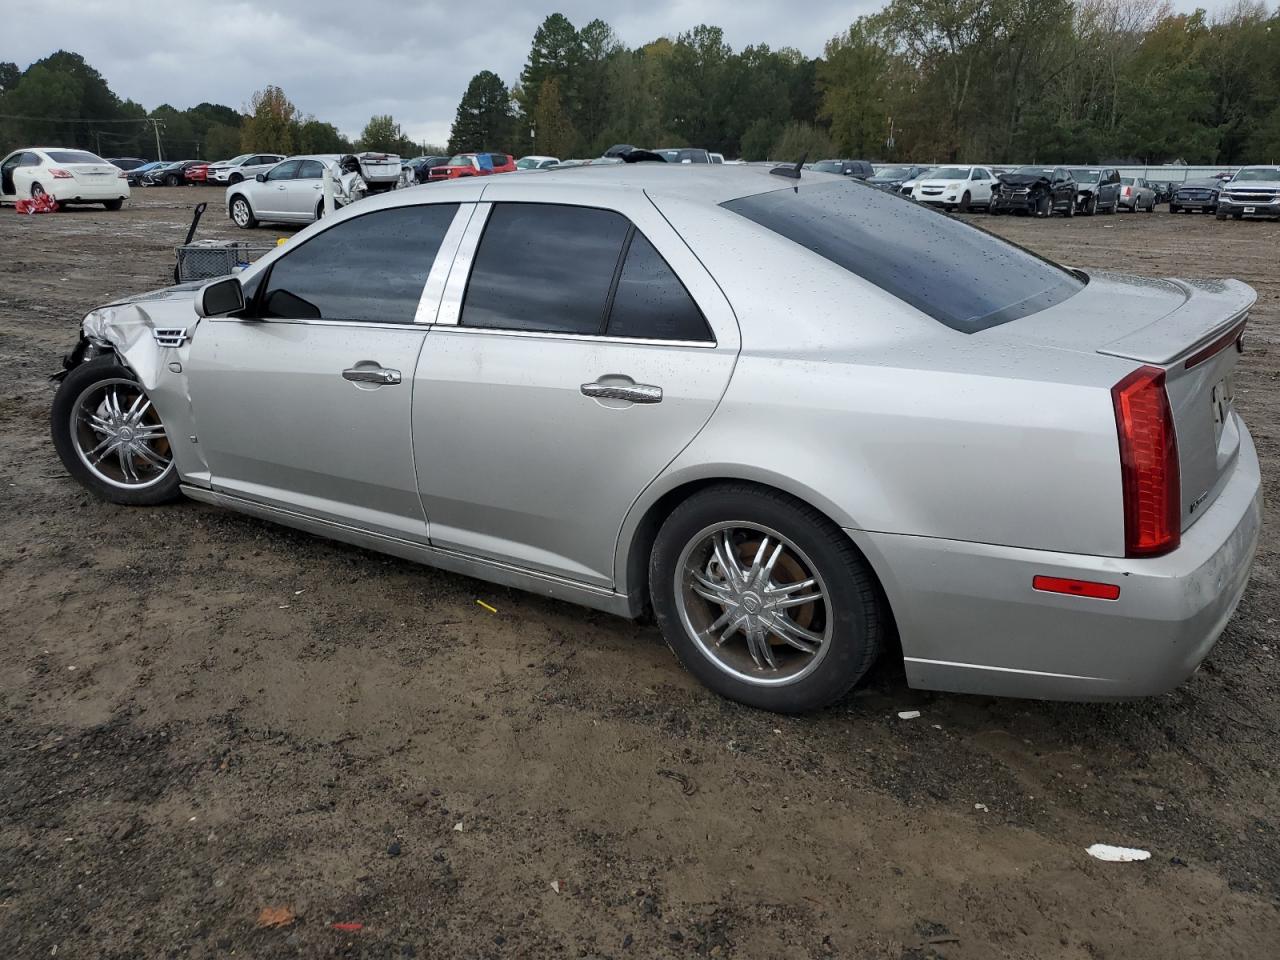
(1197,196)
(893,178)
(1097,189)
(657,364)
(1042,191)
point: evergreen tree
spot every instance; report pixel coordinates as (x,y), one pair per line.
(484,118)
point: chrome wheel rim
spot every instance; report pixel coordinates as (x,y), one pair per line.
(753,603)
(240,213)
(118,435)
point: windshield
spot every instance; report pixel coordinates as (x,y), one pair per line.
(687,155)
(1035,171)
(828,166)
(894,173)
(526,163)
(74,156)
(956,273)
(236,161)
(1086,176)
(949,173)
(1258,173)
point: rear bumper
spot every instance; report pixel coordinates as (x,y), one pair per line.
(71,191)
(970,622)
(1206,205)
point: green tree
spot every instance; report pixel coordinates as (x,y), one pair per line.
(802,141)
(555,134)
(384,135)
(854,82)
(315,136)
(484,118)
(271,124)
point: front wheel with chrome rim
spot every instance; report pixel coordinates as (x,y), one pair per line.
(110,438)
(764,599)
(242,214)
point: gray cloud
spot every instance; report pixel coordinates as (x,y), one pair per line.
(346,61)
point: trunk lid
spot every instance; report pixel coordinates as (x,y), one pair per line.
(95,173)
(1189,328)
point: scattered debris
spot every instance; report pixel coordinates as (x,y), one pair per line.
(1104,851)
(908,714)
(945,938)
(487,607)
(555,885)
(458,826)
(276,917)
(348,926)
(394,849)
(982,807)
(687,786)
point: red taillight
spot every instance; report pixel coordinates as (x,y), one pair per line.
(1148,464)
(1127,191)
(1076,588)
(122,175)
(59,174)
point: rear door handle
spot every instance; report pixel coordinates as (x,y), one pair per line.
(371,375)
(631,392)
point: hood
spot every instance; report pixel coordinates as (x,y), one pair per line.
(1024,179)
(935,182)
(1247,185)
(179,291)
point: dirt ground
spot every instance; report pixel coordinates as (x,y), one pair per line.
(203,715)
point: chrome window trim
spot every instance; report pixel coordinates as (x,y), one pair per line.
(437,279)
(587,337)
(455,287)
(366,324)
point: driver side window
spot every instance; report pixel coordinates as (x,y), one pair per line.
(370,269)
(284,171)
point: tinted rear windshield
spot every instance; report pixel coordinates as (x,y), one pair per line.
(74,156)
(956,273)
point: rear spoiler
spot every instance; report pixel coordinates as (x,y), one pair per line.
(1212,309)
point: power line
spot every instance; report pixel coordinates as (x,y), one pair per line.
(10,116)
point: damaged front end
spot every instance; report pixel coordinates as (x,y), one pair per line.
(150,335)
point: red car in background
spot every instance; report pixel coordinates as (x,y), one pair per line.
(196,173)
(472,165)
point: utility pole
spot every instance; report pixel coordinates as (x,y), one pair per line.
(155,126)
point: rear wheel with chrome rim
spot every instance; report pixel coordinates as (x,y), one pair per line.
(763,599)
(110,437)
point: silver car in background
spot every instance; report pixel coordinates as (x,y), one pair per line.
(790,414)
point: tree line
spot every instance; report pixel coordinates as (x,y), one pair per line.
(926,80)
(1073,81)
(62,100)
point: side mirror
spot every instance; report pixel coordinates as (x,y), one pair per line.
(261,178)
(220,298)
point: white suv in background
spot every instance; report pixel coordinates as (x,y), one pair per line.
(955,188)
(244,167)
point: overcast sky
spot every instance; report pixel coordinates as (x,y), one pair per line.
(346,61)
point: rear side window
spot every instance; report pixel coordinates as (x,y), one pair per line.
(650,301)
(956,273)
(370,269)
(545,267)
(560,269)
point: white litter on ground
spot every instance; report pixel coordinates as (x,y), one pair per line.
(908,714)
(1104,851)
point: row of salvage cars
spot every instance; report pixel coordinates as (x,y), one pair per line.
(734,398)
(1253,191)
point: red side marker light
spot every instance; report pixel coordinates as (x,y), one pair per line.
(1076,588)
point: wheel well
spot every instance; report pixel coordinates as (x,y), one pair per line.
(647,532)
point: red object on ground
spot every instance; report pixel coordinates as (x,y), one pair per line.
(348,927)
(41,204)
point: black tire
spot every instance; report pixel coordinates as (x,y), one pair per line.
(234,179)
(1044,206)
(1091,208)
(1174,208)
(81,378)
(113,204)
(245,219)
(966,203)
(1070,211)
(856,618)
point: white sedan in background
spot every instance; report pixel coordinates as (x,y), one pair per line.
(67,175)
(955,188)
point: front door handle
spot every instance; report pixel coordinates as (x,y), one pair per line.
(371,375)
(631,392)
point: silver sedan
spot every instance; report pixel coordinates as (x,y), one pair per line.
(792,417)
